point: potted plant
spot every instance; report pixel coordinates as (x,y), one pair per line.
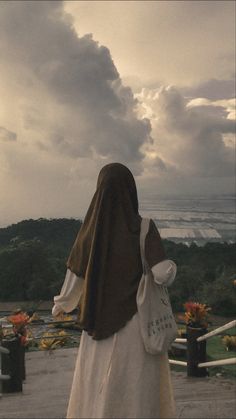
(196,315)
(19,321)
(196,319)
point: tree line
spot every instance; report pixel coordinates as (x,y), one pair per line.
(33,256)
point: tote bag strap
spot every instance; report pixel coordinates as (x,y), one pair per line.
(143,232)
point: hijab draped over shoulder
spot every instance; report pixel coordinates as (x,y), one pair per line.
(106,253)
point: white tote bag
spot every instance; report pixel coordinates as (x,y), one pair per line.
(157,324)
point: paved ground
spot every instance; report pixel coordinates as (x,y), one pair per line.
(49,378)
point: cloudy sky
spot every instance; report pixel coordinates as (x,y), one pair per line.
(85,83)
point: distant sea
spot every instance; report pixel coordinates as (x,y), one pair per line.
(188,219)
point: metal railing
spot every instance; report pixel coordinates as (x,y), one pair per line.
(226,361)
(180,341)
(221,362)
(217,331)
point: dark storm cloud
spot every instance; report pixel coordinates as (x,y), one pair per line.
(96,111)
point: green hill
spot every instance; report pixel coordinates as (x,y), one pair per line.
(33,256)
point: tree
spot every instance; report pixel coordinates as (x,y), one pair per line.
(33,256)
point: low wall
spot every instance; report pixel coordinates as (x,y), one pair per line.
(9,307)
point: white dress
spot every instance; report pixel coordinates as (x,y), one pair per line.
(116,377)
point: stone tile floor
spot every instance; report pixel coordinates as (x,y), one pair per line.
(49,377)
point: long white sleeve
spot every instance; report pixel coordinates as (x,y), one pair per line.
(164,272)
(70,294)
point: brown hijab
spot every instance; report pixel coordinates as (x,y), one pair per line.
(106,253)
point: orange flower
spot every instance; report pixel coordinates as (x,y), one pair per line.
(19,319)
(196,314)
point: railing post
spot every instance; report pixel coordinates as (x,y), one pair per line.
(11,364)
(0,372)
(2,376)
(196,352)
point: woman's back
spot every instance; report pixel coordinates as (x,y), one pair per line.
(114,375)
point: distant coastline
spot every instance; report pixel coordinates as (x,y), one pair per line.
(187,218)
(196,219)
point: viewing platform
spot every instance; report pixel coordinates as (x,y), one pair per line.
(49,378)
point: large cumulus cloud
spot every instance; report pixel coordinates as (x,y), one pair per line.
(66,109)
(67,113)
(70,89)
(188,134)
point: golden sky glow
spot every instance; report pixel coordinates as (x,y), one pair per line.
(152,86)
(177,42)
